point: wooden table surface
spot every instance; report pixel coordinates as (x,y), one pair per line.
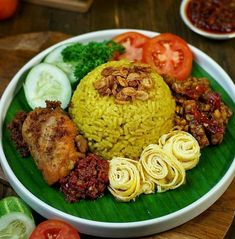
(155,15)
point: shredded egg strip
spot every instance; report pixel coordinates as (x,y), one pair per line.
(124,179)
(183,146)
(161,168)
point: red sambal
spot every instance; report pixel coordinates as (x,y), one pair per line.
(215,16)
(88,180)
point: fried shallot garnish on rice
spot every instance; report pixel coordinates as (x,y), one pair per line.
(125,84)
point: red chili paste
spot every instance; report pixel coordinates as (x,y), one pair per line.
(215,16)
(88,180)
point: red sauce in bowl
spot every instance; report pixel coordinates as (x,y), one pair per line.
(215,16)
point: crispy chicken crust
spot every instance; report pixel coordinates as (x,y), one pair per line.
(50,135)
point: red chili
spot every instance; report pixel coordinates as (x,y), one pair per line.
(214,100)
(195,93)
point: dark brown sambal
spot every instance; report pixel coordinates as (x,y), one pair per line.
(215,16)
(15,127)
(88,180)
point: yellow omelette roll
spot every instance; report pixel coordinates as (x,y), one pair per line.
(183,146)
(147,185)
(124,179)
(162,168)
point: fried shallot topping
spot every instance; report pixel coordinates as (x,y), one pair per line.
(125,83)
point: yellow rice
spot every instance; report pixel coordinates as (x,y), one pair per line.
(121,130)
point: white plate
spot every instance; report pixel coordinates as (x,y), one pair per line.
(130,229)
(216,36)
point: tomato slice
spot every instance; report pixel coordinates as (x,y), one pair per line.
(169,55)
(133,43)
(54,229)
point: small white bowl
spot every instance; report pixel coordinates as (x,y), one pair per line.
(216,36)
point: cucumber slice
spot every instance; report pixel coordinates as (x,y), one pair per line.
(14,204)
(47,82)
(16,225)
(56,58)
(55,55)
(16,220)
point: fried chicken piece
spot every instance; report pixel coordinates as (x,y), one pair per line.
(50,135)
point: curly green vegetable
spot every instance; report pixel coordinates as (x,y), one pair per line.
(87,57)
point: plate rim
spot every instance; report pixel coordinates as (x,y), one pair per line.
(107,229)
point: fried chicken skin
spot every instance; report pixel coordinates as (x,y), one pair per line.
(51,138)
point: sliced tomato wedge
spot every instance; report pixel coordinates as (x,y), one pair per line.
(54,229)
(133,43)
(170,55)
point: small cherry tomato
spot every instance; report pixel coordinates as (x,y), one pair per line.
(54,229)
(133,43)
(169,55)
(7,8)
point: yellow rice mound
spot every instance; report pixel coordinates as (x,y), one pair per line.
(121,130)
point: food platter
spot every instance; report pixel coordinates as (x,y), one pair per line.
(105,216)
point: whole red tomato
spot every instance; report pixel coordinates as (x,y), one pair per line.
(7,8)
